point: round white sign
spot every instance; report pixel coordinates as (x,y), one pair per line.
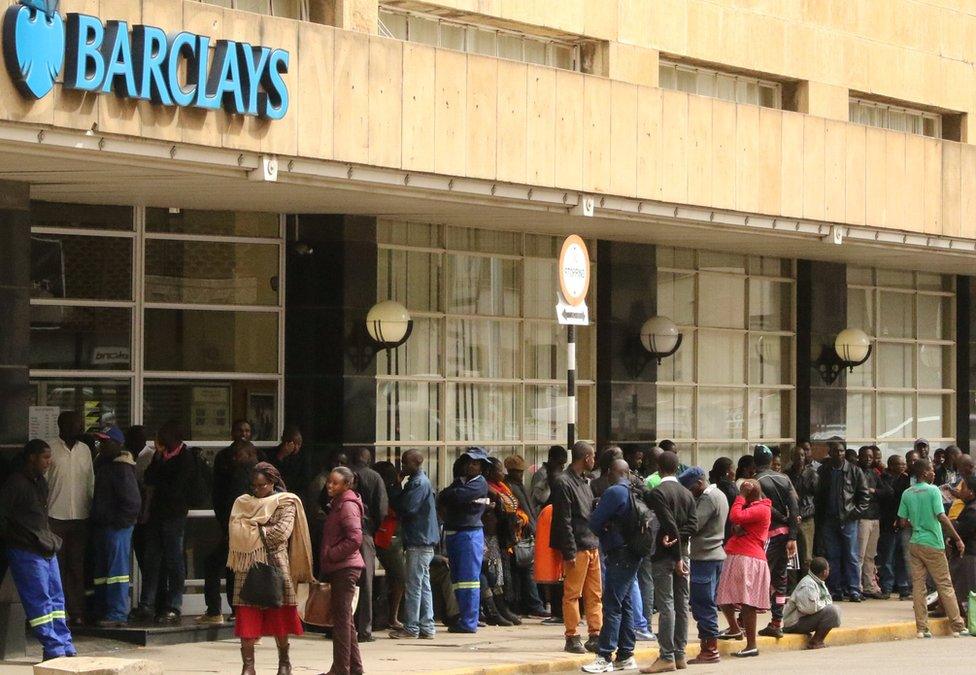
(574,270)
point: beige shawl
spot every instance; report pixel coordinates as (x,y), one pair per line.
(246,546)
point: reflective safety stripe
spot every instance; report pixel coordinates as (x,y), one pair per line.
(99,582)
(123,579)
(466,584)
(41,620)
(59,614)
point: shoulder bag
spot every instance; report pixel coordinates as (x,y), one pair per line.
(264,585)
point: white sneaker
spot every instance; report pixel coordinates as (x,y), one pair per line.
(601,665)
(923,634)
(626,664)
(961,633)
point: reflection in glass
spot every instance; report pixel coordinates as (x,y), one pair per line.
(709,452)
(229,223)
(934,412)
(675,412)
(207,408)
(860,415)
(482,285)
(722,300)
(103,402)
(934,316)
(545,412)
(934,364)
(769,359)
(482,348)
(412,278)
(676,297)
(897,314)
(895,416)
(721,413)
(483,412)
(769,414)
(895,365)
(419,355)
(860,309)
(81,216)
(216,273)
(721,357)
(81,267)
(541,288)
(208,341)
(769,305)
(680,367)
(80,338)
(407,411)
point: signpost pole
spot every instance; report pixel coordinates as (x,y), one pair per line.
(570,386)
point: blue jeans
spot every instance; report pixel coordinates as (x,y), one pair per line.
(113,556)
(704,584)
(645,579)
(617,632)
(891,563)
(640,623)
(844,555)
(418,600)
(164,555)
(671,599)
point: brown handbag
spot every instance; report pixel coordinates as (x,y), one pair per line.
(318,607)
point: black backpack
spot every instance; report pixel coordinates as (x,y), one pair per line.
(641,527)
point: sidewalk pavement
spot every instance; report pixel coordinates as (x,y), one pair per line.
(530,648)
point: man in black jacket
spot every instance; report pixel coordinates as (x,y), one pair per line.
(32,549)
(677,513)
(841,497)
(783,526)
(170,482)
(804,477)
(371,488)
(231,479)
(892,569)
(115,509)
(572,502)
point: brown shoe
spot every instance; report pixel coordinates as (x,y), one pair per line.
(708,653)
(247,657)
(680,663)
(660,666)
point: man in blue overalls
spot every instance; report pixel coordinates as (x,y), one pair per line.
(463,502)
(32,550)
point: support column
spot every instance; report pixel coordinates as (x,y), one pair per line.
(626,297)
(965,398)
(821,313)
(14,365)
(330,385)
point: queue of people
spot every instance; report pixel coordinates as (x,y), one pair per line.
(614,542)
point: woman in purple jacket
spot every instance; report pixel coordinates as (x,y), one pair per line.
(341,564)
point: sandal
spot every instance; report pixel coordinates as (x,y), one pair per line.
(746,653)
(726,635)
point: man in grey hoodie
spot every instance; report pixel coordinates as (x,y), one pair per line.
(707,556)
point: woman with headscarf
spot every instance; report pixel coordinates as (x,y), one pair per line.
(962,568)
(268,526)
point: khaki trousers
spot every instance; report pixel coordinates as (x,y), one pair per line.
(583,580)
(867,538)
(807,531)
(933,561)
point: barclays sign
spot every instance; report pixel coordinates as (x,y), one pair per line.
(141,63)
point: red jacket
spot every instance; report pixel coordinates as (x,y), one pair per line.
(342,534)
(754,519)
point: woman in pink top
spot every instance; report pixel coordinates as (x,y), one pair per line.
(744,583)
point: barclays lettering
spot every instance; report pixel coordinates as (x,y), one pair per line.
(141,63)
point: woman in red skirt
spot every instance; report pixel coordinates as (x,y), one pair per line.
(744,583)
(269,526)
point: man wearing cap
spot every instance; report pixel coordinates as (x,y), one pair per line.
(921,446)
(782,533)
(526,593)
(463,503)
(71,481)
(115,509)
(707,556)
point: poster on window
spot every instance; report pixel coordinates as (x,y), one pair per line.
(42,421)
(210,413)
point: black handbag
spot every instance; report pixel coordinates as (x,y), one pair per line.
(264,585)
(525,552)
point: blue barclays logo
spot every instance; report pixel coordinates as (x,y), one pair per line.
(33,45)
(142,63)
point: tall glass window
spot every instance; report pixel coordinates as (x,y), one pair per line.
(906,390)
(486,362)
(731,382)
(207,285)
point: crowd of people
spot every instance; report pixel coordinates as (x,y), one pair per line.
(603,542)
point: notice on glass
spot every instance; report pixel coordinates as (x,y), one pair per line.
(42,421)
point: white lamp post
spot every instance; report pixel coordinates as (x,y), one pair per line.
(660,337)
(853,347)
(389,324)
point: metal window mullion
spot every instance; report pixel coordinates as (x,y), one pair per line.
(138,316)
(201,307)
(211,238)
(81,302)
(58,373)
(199,375)
(282,245)
(81,232)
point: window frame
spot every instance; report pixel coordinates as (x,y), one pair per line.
(737,78)
(468,29)
(303,13)
(856,102)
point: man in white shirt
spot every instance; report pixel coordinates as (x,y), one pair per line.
(71,484)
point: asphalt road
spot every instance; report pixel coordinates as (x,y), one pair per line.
(938,655)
